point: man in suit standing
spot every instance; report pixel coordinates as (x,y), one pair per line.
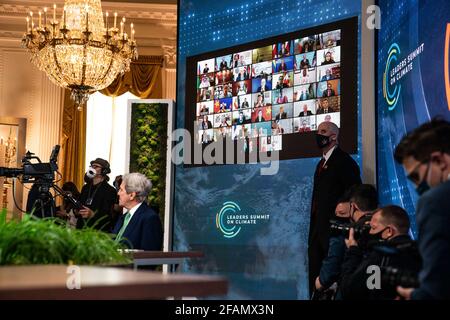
(140,227)
(206,68)
(245,104)
(425,156)
(335,174)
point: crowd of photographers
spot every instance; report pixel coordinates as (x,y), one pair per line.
(371,254)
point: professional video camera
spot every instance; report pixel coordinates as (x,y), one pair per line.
(343,228)
(34,172)
(401,264)
(399,277)
(42,175)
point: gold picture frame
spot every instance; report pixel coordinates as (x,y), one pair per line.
(12,150)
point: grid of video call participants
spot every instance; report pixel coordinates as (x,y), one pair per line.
(284,88)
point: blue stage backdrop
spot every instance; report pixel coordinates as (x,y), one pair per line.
(413,62)
(268,259)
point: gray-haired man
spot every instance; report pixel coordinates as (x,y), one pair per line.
(139,227)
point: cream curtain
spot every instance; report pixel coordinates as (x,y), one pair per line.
(143,80)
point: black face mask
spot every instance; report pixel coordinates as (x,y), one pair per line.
(422,187)
(376,237)
(322,141)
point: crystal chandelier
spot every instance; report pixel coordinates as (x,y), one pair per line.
(80,52)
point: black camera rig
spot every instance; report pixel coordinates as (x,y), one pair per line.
(338,227)
(42,175)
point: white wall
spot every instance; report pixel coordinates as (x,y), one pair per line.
(25,92)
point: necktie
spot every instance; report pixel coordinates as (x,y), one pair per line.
(320,166)
(127,218)
(319,171)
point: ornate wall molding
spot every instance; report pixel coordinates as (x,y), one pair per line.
(170,56)
(166,13)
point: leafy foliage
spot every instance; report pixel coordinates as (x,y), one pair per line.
(49,241)
(148,148)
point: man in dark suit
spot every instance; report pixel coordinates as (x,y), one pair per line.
(281,115)
(335,174)
(324,107)
(263,87)
(140,227)
(206,68)
(223,65)
(425,156)
(327,76)
(329,92)
(205,124)
(240,119)
(305,112)
(245,104)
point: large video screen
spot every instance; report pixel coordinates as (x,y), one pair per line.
(272,94)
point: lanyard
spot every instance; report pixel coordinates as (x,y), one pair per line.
(91,198)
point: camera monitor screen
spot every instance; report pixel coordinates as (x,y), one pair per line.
(272,94)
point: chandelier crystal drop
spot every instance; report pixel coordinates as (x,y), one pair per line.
(81,51)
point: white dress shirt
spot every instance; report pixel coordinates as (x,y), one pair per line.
(327,155)
(132,210)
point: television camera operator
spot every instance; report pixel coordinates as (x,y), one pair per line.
(390,246)
(97,197)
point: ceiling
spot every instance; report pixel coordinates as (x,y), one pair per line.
(146,1)
(155,21)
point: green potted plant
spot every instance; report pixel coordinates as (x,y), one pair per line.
(48,241)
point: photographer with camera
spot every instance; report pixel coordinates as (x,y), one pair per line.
(331,265)
(389,228)
(354,210)
(97,197)
(425,156)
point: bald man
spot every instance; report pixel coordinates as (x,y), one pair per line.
(335,174)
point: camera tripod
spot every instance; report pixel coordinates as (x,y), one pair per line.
(44,203)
